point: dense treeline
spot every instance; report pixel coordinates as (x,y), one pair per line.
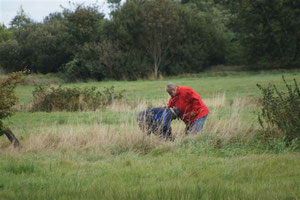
(144,37)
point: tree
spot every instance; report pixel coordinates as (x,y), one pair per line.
(269,30)
(160,22)
(83,25)
(122,35)
(20,20)
(202,40)
(114,5)
(40,47)
(191,50)
(84,29)
(10,56)
(5,34)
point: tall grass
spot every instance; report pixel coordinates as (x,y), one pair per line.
(103,154)
(231,125)
(122,134)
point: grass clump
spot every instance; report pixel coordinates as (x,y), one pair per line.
(216,146)
(72,98)
(20,168)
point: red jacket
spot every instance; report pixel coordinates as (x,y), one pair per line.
(187,101)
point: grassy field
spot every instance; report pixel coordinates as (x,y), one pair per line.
(103,155)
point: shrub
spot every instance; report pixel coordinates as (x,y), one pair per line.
(281,110)
(76,70)
(7,96)
(72,99)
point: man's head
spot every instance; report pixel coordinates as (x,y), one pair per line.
(171,88)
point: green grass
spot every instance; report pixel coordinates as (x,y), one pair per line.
(130,176)
(241,84)
(129,166)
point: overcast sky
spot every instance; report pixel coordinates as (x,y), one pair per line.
(38,9)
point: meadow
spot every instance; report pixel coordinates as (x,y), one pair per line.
(103,155)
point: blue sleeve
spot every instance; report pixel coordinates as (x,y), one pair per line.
(167,118)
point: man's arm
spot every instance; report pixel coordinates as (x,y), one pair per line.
(166,122)
(170,103)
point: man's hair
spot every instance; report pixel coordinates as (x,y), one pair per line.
(171,86)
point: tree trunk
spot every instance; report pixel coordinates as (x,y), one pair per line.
(11,137)
(156,65)
(155,70)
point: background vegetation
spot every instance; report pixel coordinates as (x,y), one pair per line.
(144,38)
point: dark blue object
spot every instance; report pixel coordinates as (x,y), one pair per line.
(156,120)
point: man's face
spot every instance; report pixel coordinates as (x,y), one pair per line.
(171,92)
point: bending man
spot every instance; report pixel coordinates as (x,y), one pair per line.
(192,109)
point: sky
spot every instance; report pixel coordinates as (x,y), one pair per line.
(39,9)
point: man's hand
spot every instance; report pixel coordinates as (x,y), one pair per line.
(193,114)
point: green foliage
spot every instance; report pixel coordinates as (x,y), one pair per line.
(193,50)
(20,20)
(76,70)
(123,53)
(5,34)
(160,36)
(83,25)
(281,110)
(7,96)
(11,56)
(72,99)
(269,31)
(38,47)
(159,30)
(83,28)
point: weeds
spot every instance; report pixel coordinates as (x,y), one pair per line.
(281,110)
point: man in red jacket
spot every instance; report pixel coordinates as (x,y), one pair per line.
(192,109)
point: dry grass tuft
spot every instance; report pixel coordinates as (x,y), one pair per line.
(97,137)
(42,79)
(218,101)
(231,124)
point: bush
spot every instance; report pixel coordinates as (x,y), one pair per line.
(281,110)
(7,95)
(76,70)
(72,99)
